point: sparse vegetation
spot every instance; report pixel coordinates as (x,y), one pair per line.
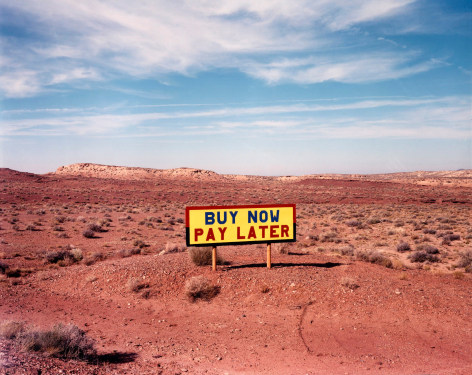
(172,247)
(64,341)
(375,257)
(199,287)
(10,329)
(135,284)
(465,259)
(349,282)
(3,268)
(88,233)
(422,256)
(202,256)
(403,246)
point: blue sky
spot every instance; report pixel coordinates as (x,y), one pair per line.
(264,87)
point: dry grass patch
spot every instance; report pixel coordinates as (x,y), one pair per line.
(10,329)
(349,282)
(135,284)
(199,287)
(202,256)
(63,341)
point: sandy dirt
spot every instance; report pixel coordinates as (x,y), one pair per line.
(321,309)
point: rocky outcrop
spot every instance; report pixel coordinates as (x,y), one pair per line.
(131,173)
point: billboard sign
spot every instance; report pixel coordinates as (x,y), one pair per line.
(240,225)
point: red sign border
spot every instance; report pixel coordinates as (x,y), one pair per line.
(187,219)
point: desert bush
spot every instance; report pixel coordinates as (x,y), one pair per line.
(135,284)
(448,237)
(88,233)
(375,257)
(345,250)
(374,220)
(422,256)
(349,282)
(353,223)
(430,249)
(330,237)
(94,257)
(3,268)
(199,287)
(56,256)
(64,341)
(124,253)
(202,256)
(140,244)
(403,246)
(465,259)
(14,272)
(451,237)
(175,248)
(68,256)
(76,254)
(10,329)
(95,228)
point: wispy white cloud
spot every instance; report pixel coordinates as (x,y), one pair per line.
(92,40)
(392,117)
(349,69)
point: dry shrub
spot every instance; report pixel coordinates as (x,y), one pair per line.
(403,246)
(202,256)
(3,268)
(349,282)
(430,249)
(422,256)
(124,253)
(397,264)
(346,250)
(65,257)
(140,244)
(375,257)
(174,248)
(265,289)
(64,341)
(330,237)
(10,329)
(135,284)
(14,272)
(96,228)
(465,259)
(94,257)
(88,233)
(199,287)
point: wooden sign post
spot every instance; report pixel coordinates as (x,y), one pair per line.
(213,258)
(240,225)
(269,265)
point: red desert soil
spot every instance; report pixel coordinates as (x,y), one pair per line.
(321,309)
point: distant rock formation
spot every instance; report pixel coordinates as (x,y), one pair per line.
(458,177)
(128,173)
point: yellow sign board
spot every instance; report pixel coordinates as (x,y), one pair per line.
(239,225)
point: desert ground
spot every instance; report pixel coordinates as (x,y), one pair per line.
(379,280)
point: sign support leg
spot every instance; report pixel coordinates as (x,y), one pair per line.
(213,258)
(269,265)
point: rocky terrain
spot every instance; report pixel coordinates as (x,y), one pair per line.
(378,282)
